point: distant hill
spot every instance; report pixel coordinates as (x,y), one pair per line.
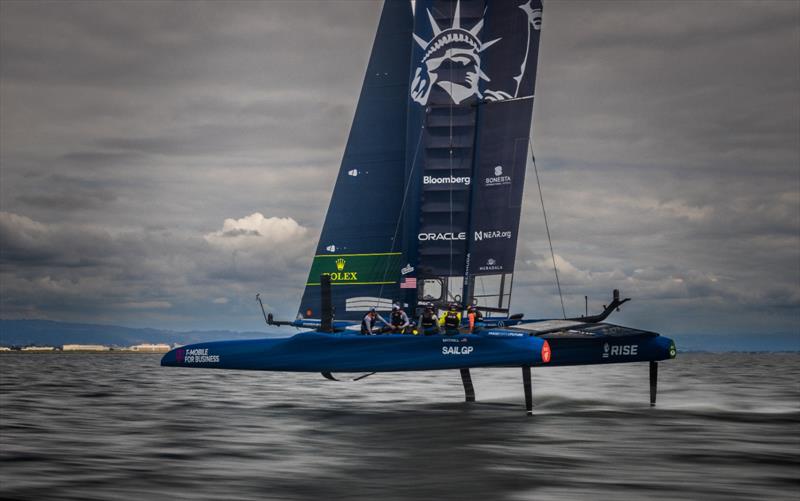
(51,333)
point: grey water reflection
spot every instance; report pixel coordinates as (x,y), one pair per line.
(78,426)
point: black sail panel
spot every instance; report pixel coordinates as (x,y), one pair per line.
(473,69)
(357,246)
(444,93)
(502,148)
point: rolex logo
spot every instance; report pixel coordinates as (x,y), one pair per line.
(340,264)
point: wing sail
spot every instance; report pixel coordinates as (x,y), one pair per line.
(357,245)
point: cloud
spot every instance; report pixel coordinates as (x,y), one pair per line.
(257,231)
(180,153)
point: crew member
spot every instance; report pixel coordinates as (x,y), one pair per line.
(428,322)
(451,320)
(474,315)
(399,320)
(369,321)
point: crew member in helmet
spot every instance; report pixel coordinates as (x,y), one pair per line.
(370,319)
(451,320)
(399,320)
(428,321)
(475,316)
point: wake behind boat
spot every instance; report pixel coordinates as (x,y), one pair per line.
(442,127)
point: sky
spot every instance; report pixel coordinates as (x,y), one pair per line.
(162,162)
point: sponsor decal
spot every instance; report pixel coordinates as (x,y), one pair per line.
(446,180)
(492,235)
(457,46)
(499,179)
(672,351)
(505,334)
(546,353)
(352,172)
(457,350)
(405,270)
(424,237)
(180,353)
(347,269)
(491,265)
(331,248)
(340,275)
(199,356)
(620,350)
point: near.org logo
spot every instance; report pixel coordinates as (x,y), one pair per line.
(491,235)
(498,179)
(446,180)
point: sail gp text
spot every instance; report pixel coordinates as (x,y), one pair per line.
(200,356)
(457,350)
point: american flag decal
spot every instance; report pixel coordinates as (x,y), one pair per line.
(408,283)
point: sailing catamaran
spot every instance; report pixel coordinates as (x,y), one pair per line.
(426,210)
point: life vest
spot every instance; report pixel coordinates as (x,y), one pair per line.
(397,318)
(452,320)
(427,320)
(367,328)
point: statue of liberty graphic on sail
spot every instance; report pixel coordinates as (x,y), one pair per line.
(451,60)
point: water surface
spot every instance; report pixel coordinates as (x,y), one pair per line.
(106,426)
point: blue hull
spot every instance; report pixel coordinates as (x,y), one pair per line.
(320,352)
(611,350)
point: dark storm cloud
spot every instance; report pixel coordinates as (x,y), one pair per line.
(141,142)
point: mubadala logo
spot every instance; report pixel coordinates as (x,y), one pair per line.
(491,265)
(623,350)
(352,172)
(424,237)
(492,235)
(331,248)
(498,179)
(405,270)
(446,180)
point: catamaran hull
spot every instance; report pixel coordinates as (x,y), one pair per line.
(320,352)
(610,350)
(327,353)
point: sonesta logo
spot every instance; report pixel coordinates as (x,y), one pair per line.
(498,179)
(446,180)
(424,237)
(492,234)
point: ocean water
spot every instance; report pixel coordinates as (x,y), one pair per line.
(104,427)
